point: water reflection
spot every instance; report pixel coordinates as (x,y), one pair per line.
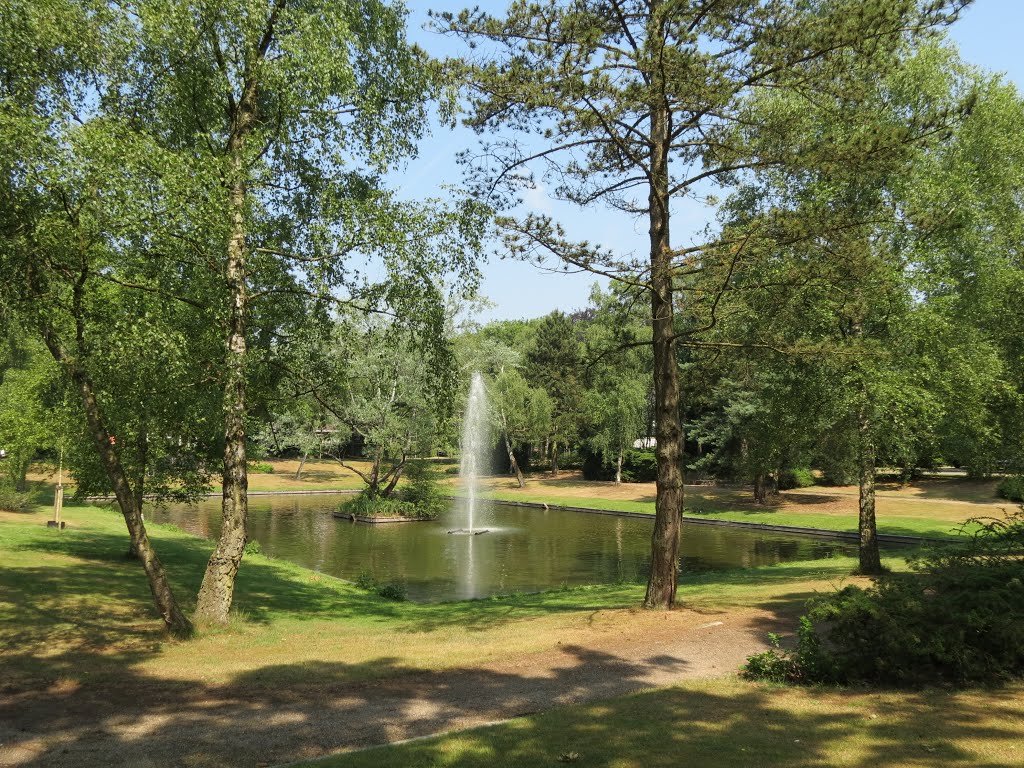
(525,549)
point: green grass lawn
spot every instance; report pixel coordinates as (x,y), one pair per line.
(720,510)
(73,607)
(75,612)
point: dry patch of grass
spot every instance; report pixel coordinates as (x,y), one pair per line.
(317,475)
(734,724)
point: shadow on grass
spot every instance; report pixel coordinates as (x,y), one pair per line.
(289,712)
(687,726)
(280,713)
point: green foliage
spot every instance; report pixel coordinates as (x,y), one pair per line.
(639,467)
(957,618)
(1011,488)
(421,498)
(796,478)
(14,501)
(773,665)
(30,399)
(553,364)
(389,591)
(778,665)
(253,547)
(261,467)
(364,580)
(422,489)
(393,591)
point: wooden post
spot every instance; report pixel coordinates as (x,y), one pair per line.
(58,496)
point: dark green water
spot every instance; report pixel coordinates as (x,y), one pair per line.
(525,550)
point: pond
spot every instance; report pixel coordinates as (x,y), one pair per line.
(525,549)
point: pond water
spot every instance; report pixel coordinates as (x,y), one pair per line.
(525,549)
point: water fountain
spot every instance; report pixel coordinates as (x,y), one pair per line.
(474,450)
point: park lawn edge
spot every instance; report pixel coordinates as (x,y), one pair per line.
(922,527)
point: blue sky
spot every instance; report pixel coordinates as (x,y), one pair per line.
(988,34)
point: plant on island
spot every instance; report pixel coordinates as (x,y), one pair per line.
(420,498)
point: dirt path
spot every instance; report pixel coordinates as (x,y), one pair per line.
(143,722)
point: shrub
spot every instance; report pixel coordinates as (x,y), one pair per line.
(796,478)
(261,467)
(253,547)
(595,467)
(957,618)
(14,501)
(639,467)
(366,581)
(773,665)
(393,591)
(1012,488)
(422,490)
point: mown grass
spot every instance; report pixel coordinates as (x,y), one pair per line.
(73,607)
(735,724)
(929,527)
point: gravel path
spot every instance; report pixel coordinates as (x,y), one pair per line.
(142,722)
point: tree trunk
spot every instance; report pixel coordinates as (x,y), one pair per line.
(554,458)
(760,488)
(140,482)
(513,463)
(395,477)
(661,585)
(618,468)
(870,559)
(174,620)
(302,463)
(217,590)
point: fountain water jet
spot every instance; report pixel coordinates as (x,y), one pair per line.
(474,448)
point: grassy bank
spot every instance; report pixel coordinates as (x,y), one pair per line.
(734,724)
(73,608)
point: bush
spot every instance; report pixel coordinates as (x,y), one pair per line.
(1012,488)
(422,491)
(393,591)
(639,467)
(796,478)
(773,665)
(253,547)
(261,467)
(957,618)
(14,501)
